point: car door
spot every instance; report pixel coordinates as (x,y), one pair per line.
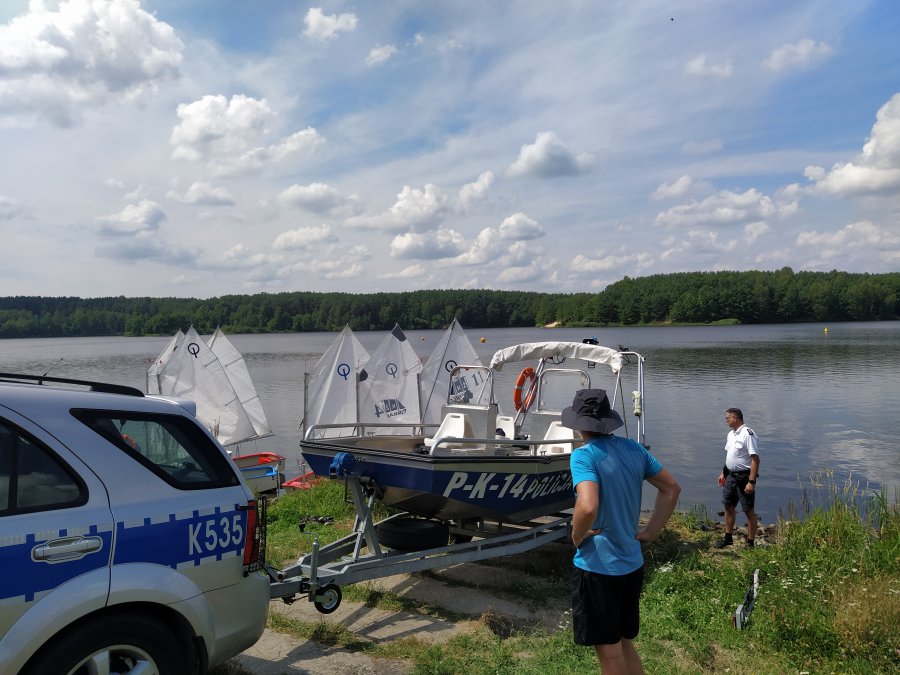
(56,531)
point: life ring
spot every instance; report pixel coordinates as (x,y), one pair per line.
(527,374)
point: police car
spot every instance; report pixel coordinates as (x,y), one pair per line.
(128,540)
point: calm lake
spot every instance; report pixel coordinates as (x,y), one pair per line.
(818,400)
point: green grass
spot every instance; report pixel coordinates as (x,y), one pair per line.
(829,599)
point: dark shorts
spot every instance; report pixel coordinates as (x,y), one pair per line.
(605,608)
(733,492)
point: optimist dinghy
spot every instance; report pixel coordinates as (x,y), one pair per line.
(478,463)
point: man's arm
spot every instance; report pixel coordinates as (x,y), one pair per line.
(587,503)
(666,500)
(754,472)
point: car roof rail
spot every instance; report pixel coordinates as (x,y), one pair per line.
(104,387)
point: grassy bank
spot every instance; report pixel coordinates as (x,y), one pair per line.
(829,599)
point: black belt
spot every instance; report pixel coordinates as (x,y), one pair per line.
(745,472)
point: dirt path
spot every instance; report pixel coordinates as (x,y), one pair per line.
(496,595)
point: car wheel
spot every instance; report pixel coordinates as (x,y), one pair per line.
(114,645)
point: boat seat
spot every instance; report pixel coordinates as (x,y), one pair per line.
(454,425)
(556,431)
(508,424)
(465,421)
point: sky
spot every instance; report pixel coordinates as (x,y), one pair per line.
(198,148)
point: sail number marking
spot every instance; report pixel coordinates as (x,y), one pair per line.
(500,486)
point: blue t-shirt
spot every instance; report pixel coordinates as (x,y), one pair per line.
(619,466)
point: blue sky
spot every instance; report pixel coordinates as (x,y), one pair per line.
(208,147)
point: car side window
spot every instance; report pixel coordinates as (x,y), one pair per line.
(32,478)
(171,446)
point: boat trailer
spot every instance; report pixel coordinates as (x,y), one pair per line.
(360,556)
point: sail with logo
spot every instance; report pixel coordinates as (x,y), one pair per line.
(452,350)
(331,395)
(389,385)
(194,372)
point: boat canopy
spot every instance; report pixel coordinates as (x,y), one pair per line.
(570,350)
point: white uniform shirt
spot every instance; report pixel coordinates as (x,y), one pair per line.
(740,444)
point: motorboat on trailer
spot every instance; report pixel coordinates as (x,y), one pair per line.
(478,463)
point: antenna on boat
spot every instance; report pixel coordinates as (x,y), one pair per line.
(53,366)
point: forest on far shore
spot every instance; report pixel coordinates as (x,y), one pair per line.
(782,296)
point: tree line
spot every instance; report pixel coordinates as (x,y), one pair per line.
(782,296)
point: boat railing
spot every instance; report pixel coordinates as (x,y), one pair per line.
(503,446)
(366,429)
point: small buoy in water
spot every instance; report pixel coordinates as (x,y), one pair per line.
(826,329)
(422,338)
(484,339)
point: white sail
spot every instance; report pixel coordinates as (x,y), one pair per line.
(332,396)
(453,349)
(154,371)
(239,376)
(195,373)
(389,384)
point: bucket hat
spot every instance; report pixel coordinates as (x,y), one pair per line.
(590,411)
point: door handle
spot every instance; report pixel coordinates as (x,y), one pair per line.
(67,548)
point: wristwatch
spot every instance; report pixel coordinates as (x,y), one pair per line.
(752,482)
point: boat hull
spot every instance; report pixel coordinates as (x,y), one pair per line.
(262,471)
(461,487)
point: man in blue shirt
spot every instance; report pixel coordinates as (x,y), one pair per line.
(608,473)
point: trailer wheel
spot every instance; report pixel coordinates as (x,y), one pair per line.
(412,534)
(328,598)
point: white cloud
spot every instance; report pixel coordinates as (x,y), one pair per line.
(470,193)
(548,157)
(698,66)
(58,62)
(679,188)
(216,125)
(521,275)
(203,194)
(227,132)
(415,271)
(797,55)
(518,226)
(319,198)
(321,26)
(753,231)
(855,236)
(587,265)
(487,247)
(303,238)
(415,210)
(876,170)
(380,54)
(427,246)
(145,216)
(722,209)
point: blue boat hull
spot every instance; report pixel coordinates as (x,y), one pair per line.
(505,489)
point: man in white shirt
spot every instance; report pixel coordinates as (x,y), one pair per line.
(738,477)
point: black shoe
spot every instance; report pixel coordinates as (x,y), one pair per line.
(750,543)
(724,541)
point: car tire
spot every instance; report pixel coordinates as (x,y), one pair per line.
(117,644)
(412,534)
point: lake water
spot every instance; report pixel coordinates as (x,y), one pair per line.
(818,400)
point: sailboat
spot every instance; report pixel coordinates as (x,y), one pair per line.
(452,349)
(389,385)
(330,391)
(215,377)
